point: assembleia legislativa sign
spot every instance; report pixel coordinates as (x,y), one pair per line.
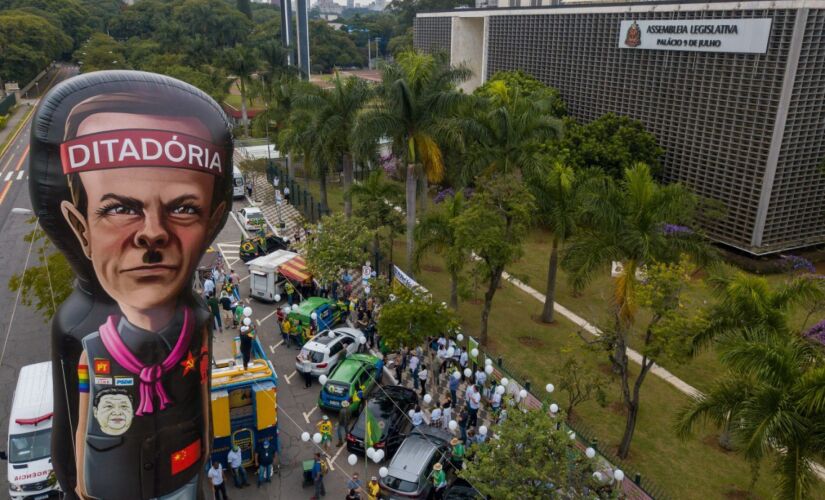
(749,36)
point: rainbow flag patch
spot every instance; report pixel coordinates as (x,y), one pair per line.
(83,378)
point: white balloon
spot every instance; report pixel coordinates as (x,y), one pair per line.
(286,309)
(294,307)
(450,352)
(305,437)
(505,382)
(316,438)
(618,474)
(598,476)
(488,362)
(314,315)
(482,430)
(453,425)
(378,456)
(247,311)
(427,398)
(459,337)
(322,379)
(383,471)
(468,372)
(370,452)
(488,369)
(500,389)
(277,298)
(247,321)
(590,452)
(330,334)
(474,352)
(367,290)
(456,374)
(522,393)
(392,297)
(571,435)
(549,388)
(352,460)
(362,340)
(554,408)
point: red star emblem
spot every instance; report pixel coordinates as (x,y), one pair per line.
(188,364)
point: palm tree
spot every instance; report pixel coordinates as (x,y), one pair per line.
(241,61)
(335,110)
(556,196)
(510,134)
(377,200)
(415,95)
(436,233)
(300,137)
(635,222)
(772,398)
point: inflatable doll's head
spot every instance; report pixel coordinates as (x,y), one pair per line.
(131,178)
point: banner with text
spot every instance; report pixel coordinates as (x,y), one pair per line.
(747,36)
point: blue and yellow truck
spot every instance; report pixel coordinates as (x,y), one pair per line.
(244,402)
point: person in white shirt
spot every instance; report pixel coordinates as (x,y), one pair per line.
(446,415)
(441,354)
(495,402)
(235,459)
(422,379)
(462,360)
(442,341)
(413,364)
(473,403)
(216,475)
(481,380)
(417,416)
(435,416)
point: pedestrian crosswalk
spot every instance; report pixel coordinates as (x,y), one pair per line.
(231,252)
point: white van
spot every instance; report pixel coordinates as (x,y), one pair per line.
(30,471)
(238,188)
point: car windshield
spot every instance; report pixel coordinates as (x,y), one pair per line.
(400,485)
(336,388)
(239,181)
(253,214)
(30,446)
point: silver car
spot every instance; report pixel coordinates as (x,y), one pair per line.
(412,465)
(323,352)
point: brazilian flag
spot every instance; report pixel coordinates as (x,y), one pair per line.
(373,430)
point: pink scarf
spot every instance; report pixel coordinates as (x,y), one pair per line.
(150,376)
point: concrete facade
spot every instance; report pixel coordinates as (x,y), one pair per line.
(745,129)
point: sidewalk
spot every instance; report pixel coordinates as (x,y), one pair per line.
(20,111)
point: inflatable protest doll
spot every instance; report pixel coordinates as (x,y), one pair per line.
(131,178)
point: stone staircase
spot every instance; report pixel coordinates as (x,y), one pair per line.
(286,213)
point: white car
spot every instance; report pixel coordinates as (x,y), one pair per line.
(324,352)
(251,217)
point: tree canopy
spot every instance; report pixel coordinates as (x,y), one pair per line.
(336,243)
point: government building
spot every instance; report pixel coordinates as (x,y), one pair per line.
(734,92)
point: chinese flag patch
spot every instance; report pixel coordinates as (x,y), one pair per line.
(185,458)
(102,366)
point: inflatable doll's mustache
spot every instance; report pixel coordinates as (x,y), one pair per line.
(152,257)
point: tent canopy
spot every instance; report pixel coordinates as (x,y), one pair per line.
(295,269)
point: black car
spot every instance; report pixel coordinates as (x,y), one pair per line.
(389,405)
(461,490)
(257,246)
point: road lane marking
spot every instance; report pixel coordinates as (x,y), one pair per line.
(266,317)
(288,377)
(306,415)
(245,277)
(20,175)
(330,462)
(5,191)
(8,175)
(22,159)
(273,347)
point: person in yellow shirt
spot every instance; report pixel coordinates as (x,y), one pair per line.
(373,489)
(325,428)
(286,327)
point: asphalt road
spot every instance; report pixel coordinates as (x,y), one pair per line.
(24,339)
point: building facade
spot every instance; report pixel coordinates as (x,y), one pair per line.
(734,92)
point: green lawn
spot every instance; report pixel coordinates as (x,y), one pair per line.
(696,468)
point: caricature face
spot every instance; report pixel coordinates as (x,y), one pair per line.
(147,228)
(114,414)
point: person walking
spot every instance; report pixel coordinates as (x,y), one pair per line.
(373,489)
(325,428)
(318,471)
(455,381)
(481,381)
(306,370)
(226,308)
(215,309)
(247,334)
(215,474)
(446,414)
(235,459)
(208,286)
(457,454)
(439,481)
(289,288)
(441,355)
(343,423)
(249,187)
(399,366)
(236,287)
(286,193)
(435,415)
(414,369)
(422,378)
(264,457)
(286,329)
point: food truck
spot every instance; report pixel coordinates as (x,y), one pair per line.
(327,315)
(268,274)
(244,402)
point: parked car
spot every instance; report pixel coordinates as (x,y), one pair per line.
(389,406)
(410,469)
(252,218)
(327,315)
(257,245)
(357,373)
(460,489)
(325,352)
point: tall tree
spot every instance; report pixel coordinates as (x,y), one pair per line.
(416,94)
(300,137)
(335,110)
(245,8)
(336,243)
(556,194)
(409,318)
(241,61)
(493,227)
(437,232)
(377,199)
(637,223)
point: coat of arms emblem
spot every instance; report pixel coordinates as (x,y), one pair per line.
(634,35)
